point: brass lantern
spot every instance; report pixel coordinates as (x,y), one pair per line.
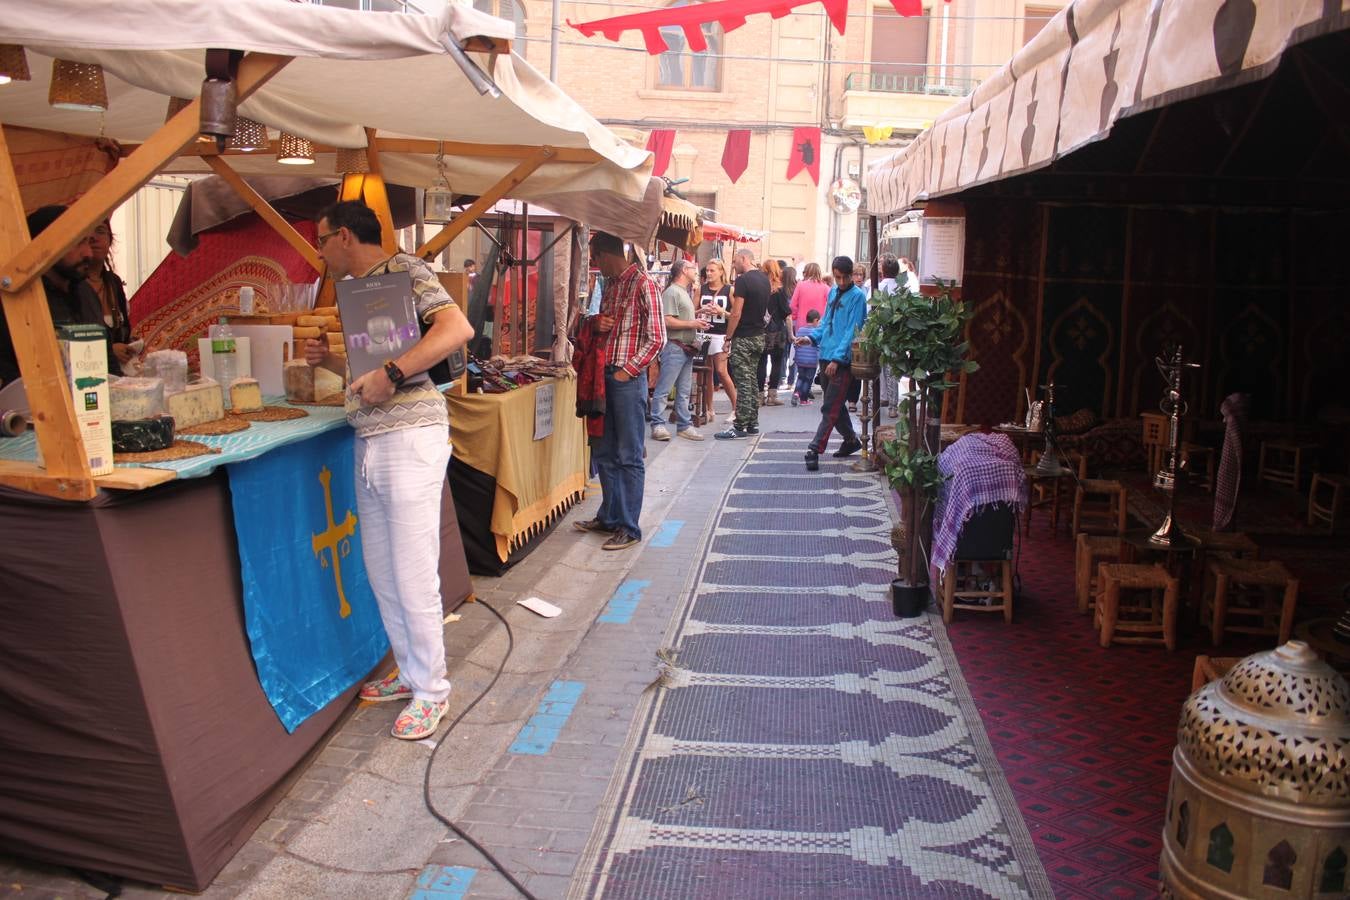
(1259,804)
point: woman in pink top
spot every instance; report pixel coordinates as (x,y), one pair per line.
(810,294)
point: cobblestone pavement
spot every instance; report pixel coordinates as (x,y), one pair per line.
(539,770)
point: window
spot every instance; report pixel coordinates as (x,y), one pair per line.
(1036,18)
(682,69)
(511,10)
(899,52)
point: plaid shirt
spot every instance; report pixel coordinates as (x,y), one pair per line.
(639,332)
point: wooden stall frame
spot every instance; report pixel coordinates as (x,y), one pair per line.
(67,475)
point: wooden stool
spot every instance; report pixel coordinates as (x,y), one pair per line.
(1281,462)
(1154,439)
(1099,507)
(1258,582)
(1147,619)
(1231,544)
(969,584)
(1091,550)
(1325,512)
(1047,490)
(1191,453)
(701,392)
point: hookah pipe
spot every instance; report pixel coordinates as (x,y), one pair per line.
(1169,533)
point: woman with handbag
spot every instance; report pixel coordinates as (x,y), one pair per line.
(776,331)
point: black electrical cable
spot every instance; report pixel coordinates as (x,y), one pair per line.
(426,780)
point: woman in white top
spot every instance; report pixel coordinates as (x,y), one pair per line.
(716,300)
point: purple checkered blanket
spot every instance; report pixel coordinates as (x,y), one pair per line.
(982,470)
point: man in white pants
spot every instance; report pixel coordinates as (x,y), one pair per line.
(401,449)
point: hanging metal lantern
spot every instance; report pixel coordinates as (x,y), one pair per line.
(1259,804)
(438,205)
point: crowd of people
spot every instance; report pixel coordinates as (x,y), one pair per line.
(770,329)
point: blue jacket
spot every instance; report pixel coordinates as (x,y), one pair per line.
(807,354)
(844,314)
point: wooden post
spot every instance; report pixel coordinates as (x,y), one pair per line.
(67,474)
(442,238)
(264,209)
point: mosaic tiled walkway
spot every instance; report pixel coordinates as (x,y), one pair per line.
(807,743)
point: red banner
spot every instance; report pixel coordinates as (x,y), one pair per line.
(736,153)
(730,14)
(805,153)
(660,142)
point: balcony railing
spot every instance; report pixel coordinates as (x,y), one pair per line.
(890,83)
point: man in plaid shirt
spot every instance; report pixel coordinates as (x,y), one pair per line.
(632,318)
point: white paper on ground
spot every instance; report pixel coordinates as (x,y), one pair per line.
(542,607)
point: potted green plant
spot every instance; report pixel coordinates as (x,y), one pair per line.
(919,338)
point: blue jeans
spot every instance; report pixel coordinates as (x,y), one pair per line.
(677,368)
(805,376)
(618,456)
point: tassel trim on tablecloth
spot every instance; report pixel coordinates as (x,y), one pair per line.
(536,518)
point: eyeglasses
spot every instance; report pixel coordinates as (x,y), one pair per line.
(321,239)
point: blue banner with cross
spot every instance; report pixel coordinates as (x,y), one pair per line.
(311,617)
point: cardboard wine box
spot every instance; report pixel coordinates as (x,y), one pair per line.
(84,351)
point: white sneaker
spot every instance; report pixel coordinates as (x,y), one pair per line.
(691,434)
(661,433)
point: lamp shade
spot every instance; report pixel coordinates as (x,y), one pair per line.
(351,162)
(248,136)
(78,86)
(295,151)
(13,64)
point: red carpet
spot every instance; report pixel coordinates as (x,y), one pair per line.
(1084,734)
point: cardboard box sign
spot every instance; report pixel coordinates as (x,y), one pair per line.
(84,352)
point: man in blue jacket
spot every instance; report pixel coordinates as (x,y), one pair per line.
(845,310)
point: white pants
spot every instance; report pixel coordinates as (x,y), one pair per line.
(399,475)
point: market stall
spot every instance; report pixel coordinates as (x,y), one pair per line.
(1144,173)
(200,743)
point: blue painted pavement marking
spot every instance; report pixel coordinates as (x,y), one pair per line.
(624,602)
(442,883)
(538,734)
(666,534)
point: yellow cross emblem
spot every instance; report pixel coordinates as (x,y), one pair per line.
(334,540)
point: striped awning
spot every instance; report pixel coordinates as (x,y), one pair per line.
(1095,63)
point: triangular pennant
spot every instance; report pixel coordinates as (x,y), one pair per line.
(736,153)
(660,142)
(805,153)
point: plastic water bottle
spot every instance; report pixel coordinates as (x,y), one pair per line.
(223,357)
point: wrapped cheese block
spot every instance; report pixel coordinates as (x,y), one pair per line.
(135,398)
(142,435)
(324,322)
(310,384)
(305,332)
(170,366)
(245,395)
(324,311)
(198,403)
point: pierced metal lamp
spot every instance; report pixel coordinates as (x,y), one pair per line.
(78,86)
(248,136)
(13,64)
(351,161)
(295,151)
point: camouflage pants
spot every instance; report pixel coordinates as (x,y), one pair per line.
(743,361)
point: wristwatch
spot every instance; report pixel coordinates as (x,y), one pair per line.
(395,374)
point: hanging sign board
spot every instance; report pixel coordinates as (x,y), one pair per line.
(543,411)
(942,249)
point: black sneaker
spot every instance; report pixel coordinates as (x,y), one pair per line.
(812,461)
(620,540)
(731,434)
(593,525)
(848,448)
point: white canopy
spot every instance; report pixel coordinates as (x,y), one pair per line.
(1096,62)
(352,71)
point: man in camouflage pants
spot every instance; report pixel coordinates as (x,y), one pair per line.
(745,338)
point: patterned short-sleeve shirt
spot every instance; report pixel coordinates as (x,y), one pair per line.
(412,404)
